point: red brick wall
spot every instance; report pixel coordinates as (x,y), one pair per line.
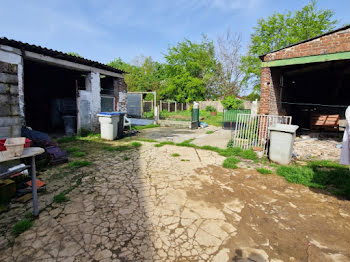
(266,80)
(270,90)
(333,43)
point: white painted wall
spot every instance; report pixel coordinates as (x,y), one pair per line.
(93,86)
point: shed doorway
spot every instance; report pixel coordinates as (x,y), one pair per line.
(50,95)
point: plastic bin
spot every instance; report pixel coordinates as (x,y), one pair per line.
(109,122)
(14,146)
(281,143)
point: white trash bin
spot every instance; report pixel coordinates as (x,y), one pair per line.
(109,124)
(281,143)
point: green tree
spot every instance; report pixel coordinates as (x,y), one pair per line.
(74,54)
(189,71)
(143,75)
(281,30)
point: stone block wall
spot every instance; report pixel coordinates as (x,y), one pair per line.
(10,118)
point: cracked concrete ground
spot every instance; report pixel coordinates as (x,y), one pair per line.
(157,207)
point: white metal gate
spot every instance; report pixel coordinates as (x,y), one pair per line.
(252,131)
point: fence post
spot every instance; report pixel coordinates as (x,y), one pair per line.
(182,106)
(160,105)
(175,105)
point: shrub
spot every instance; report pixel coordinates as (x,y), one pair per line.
(231,102)
(60,198)
(210,109)
(22,226)
(264,171)
(231,162)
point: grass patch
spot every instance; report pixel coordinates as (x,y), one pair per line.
(22,226)
(116,148)
(146,140)
(145,127)
(73,149)
(209,132)
(319,174)
(175,155)
(136,144)
(67,139)
(264,171)
(78,164)
(185,160)
(79,154)
(164,143)
(231,162)
(60,198)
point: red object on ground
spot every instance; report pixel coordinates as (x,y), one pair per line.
(28,143)
(39,183)
(3,147)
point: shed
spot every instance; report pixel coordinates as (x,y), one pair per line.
(40,86)
(308,79)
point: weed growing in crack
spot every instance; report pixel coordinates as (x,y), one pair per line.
(22,226)
(60,198)
(78,164)
(209,132)
(175,155)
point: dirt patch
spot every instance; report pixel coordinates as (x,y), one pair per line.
(284,220)
(314,148)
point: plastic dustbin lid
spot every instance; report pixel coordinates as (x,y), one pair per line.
(284,128)
(110,114)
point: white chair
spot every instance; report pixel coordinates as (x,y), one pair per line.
(127,122)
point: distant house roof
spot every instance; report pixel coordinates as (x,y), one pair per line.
(307,40)
(57,54)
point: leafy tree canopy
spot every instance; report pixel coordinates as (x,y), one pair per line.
(74,54)
(280,30)
(189,69)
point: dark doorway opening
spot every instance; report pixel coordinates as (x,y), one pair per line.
(50,97)
(315,89)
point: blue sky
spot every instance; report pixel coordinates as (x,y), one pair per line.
(102,30)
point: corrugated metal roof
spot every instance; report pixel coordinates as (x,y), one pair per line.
(57,54)
(307,40)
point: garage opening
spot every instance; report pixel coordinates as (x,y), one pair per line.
(50,97)
(315,92)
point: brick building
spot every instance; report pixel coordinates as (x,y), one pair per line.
(309,77)
(39,87)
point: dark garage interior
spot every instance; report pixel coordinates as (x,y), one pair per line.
(50,96)
(315,89)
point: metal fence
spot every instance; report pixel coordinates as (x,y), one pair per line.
(229,117)
(252,131)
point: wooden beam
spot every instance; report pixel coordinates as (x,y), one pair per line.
(307,59)
(67,64)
